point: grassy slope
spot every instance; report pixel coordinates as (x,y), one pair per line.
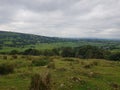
(97,77)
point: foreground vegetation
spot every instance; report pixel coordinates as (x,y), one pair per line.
(65,73)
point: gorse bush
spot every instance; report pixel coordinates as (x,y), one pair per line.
(40,62)
(6,68)
(39,82)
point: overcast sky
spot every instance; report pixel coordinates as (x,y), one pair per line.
(62,18)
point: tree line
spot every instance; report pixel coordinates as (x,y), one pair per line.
(85,52)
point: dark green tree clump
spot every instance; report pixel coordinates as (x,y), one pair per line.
(114,56)
(14,52)
(67,52)
(89,52)
(31,52)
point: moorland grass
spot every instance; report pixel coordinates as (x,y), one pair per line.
(67,74)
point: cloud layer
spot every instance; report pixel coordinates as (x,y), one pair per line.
(62,18)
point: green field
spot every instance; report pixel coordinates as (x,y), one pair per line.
(68,74)
(44,46)
(19,41)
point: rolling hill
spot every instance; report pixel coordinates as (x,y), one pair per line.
(13,39)
(21,41)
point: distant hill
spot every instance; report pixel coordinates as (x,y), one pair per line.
(13,39)
(20,40)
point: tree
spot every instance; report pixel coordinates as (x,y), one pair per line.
(13,52)
(31,52)
(67,52)
(89,51)
(114,56)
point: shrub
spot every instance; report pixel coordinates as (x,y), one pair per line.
(93,74)
(51,65)
(62,69)
(39,82)
(5,57)
(47,81)
(23,56)
(40,62)
(87,66)
(28,57)
(36,83)
(115,86)
(94,63)
(14,56)
(68,59)
(82,63)
(6,68)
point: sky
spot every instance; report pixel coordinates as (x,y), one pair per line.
(62,18)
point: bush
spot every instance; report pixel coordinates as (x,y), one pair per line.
(36,83)
(90,65)
(68,59)
(51,65)
(6,69)
(14,56)
(62,69)
(40,62)
(23,56)
(94,63)
(39,82)
(5,57)
(87,66)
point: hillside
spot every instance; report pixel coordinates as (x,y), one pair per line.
(13,39)
(21,41)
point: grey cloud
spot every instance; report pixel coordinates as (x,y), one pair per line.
(62,18)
